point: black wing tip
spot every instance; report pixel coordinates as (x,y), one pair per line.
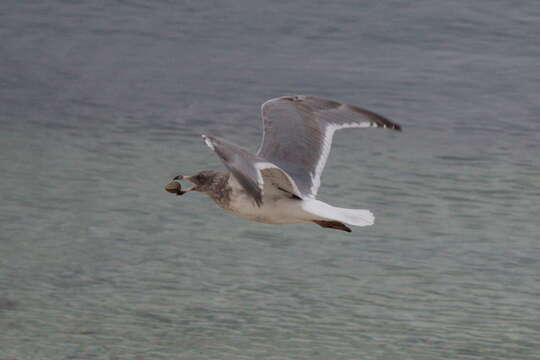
(395,127)
(376,120)
(388,125)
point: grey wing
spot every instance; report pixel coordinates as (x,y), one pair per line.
(298,131)
(250,170)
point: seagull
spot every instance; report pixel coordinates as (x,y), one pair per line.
(279,183)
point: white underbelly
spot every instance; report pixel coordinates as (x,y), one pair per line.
(274,210)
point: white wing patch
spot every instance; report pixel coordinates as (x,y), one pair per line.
(326,145)
(208,142)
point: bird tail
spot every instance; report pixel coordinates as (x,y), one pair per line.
(324,211)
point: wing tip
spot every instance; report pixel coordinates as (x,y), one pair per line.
(208,142)
(391,126)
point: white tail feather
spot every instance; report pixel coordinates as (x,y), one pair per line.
(323,211)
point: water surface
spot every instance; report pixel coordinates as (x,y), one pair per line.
(102,103)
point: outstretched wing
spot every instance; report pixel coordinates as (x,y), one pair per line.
(251,170)
(298,131)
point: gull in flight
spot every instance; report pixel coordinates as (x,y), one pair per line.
(279,184)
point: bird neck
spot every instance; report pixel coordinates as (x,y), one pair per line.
(219,190)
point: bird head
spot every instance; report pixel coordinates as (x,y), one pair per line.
(202,181)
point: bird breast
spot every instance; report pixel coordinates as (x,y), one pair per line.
(277,207)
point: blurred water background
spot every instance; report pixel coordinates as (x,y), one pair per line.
(101,103)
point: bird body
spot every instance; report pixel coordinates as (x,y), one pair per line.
(279,208)
(279,184)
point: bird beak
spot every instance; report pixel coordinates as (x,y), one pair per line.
(188,178)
